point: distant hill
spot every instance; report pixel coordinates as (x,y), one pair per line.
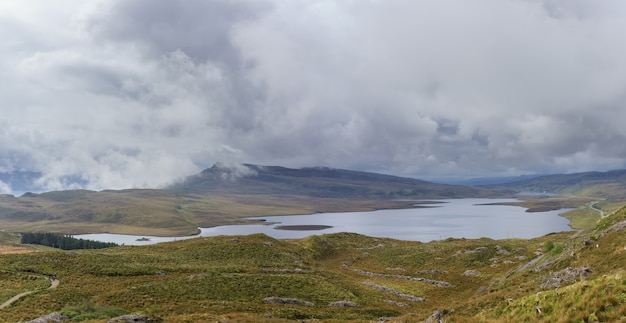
(220,195)
(607,185)
(316,182)
(482,181)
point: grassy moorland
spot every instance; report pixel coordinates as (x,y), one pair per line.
(219,196)
(562,277)
(158,212)
(228,195)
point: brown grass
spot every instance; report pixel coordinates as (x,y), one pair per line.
(9,250)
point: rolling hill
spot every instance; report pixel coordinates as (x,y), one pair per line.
(342,277)
(610,185)
(218,196)
(316,182)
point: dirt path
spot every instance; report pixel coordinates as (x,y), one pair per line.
(54,283)
(592,206)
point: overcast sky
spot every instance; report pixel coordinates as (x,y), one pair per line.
(135,93)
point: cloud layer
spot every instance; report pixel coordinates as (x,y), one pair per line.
(117,94)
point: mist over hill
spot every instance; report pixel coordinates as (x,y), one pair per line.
(316,182)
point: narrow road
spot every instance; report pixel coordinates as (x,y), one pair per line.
(592,206)
(54,283)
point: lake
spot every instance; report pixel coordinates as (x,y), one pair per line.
(457,218)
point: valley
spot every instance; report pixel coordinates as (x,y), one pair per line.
(336,277)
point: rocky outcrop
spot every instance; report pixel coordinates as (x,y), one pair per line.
(566,275)
(133,318)
(395,292)
(411,278)
(616,227)
(50,318)
(343,304)
(438,316)
(287,301)
(470,273)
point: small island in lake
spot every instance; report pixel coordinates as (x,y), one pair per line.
(303,227)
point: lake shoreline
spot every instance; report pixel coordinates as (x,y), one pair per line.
(452,218)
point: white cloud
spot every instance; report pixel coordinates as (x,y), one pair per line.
(134,94)
(5,188)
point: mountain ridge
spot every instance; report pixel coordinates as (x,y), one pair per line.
(607,185)
(316,182)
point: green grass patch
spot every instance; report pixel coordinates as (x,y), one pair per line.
(88,311)
(582,218)
(228,277)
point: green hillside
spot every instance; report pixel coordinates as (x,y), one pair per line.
(609,185)
(218,196)
(334,278)
(317,182)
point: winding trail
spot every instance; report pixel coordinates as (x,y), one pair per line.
(54,283)
(592,206)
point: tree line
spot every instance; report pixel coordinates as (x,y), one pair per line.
(63,241)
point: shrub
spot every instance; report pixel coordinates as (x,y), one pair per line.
(548,246)
(88,311)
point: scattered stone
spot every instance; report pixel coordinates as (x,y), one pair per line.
(466,251)
(396,303)
(502,251)
(380,245)
(268,244)
(395,292)
(482,290)
(520,250)
(438,316)
(566,275)
(433,271)
(411,278)
(507,262)
(50,318)
(133,318)
(343,304)
(616,227)
(545,265)
(160,273)
(470,273)
(287,301)
(290,271)
(385,319)
(521,258)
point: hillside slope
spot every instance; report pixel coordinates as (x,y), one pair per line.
(605,185)
(317,182)
(344,277)
(218,196)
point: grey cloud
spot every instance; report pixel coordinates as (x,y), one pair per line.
(124,90)
(200,29)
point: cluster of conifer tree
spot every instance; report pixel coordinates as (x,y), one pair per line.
(63,241)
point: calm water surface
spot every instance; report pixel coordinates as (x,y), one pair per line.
(458,218)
